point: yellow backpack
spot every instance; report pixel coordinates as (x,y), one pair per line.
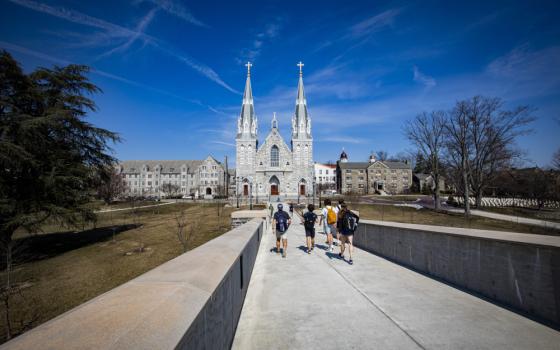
(331,216)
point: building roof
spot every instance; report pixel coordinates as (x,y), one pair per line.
(247,116)
(353,165)
(332,166)
(396,165)
(300,114)
(364,165)
(135,166)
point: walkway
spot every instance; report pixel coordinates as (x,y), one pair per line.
(318,301)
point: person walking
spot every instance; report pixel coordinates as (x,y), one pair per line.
(329,220)
(309,220)
(338,208)
(347,224)
(292,208)
(280,223)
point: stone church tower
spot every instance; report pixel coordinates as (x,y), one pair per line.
(246,141)
(274,168)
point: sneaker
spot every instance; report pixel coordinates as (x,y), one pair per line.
(284,254)
(332,249)
(308,251)
(351,262)
(341,256)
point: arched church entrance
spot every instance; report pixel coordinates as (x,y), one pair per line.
(274,186)
(302,187)
(208,191)
(245,189)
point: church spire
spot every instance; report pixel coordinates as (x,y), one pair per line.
(301,123)
(247,122)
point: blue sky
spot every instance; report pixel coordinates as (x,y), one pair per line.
(172,71)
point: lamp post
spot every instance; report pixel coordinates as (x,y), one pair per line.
(237,190)
(257,201)
(313,192)
(250,195)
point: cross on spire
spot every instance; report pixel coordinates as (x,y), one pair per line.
(300,65)
(248,65)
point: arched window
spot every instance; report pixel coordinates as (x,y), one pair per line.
(274,156)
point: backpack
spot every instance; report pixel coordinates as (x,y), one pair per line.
(309,221)
(350,222)
(281,223)
(331,216)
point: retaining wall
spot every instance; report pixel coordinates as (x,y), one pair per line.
(191,302)
(517,270)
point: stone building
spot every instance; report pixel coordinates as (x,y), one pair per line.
(392,177)
(274,168)
(193,177)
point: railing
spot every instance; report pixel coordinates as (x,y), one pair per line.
(517,270)
(191,302)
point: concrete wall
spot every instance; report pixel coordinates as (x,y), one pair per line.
(519,271)
(191,302)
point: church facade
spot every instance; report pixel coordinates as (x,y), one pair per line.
(274,168)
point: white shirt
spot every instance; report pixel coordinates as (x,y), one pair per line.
(326,209)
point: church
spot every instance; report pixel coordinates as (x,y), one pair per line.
(274,168)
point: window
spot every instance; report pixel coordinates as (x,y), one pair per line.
(320,171)
(348,171)
(274,156)
(349,178)
(361,178)
(327,171)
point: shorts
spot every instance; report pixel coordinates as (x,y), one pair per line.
(329,229)
(310,232)
(281,235)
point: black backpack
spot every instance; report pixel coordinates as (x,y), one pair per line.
(309,220)
(350,221)
(281,223)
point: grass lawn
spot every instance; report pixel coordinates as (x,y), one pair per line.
(62,268)
(430,217)
(543,214)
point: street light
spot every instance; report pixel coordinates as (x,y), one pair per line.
(313,192)
(237,190)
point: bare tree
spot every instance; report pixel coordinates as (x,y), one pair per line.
(381,155)
(170,189)
(556,160)
(183,232)
(111,186)
(493,132)
(426,132)
(458,146)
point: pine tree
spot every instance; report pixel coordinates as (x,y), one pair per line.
(50,157)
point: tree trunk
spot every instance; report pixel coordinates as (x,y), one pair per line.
(466,188)
(8,289)
(478,199)
(437,205)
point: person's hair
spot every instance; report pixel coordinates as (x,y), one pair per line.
(341,201)
(327,201)
(280,206)
(310,207)
(343,205)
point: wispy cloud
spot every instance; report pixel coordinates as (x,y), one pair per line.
(76,17)
(419,77)
(264,36)
(129,35)
(200,67)
(140,31)
(374,24)
(57,60)
(176,9)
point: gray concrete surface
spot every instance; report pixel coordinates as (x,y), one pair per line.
(191,302)
(318,301)
(520,271)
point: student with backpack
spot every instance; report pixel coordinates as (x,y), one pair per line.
(329,220)
(347,224)
(280,223)
(339,208)
(309,220)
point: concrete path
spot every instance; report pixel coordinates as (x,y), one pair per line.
(318,301)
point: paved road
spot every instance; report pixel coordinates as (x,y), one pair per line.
(320,302)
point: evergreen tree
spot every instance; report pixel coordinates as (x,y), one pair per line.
(50,157)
